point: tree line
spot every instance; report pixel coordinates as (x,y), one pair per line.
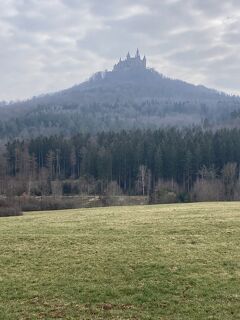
(168,165)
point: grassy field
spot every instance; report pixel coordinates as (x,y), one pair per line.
(145,262)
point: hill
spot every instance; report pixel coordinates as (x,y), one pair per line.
(145,262)
(130,96)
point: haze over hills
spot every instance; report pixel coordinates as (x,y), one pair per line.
(129,96)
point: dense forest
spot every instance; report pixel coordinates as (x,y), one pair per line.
(168,165)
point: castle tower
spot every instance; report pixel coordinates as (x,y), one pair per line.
(144,61)
(128,56)
(137,54)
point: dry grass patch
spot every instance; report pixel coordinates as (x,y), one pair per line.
(145,262)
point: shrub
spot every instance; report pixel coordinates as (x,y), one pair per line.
(9,208)
(165,192)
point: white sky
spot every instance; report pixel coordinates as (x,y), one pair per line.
(48,45)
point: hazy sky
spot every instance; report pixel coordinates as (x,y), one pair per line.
(48,45)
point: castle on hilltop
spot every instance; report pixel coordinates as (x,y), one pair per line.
(131,62)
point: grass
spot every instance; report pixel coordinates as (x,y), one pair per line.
(144,262)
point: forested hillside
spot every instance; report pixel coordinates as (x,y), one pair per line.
(128,97)
(129,131)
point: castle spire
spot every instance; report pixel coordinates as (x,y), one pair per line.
(137,54)
(144,61)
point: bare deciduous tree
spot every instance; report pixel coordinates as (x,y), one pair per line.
(144,180)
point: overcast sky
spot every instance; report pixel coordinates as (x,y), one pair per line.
(48,45)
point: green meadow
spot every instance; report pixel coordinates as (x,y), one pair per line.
(171,262)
